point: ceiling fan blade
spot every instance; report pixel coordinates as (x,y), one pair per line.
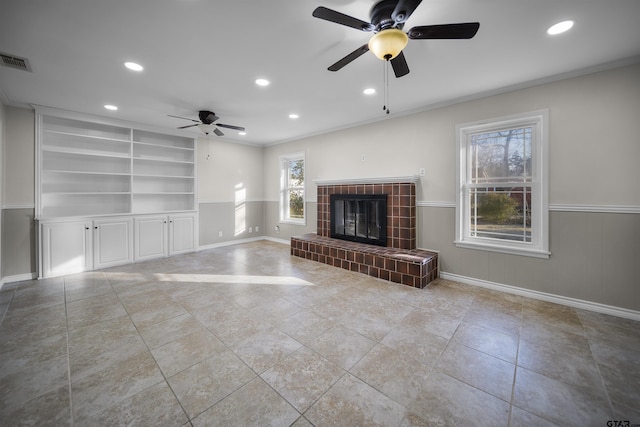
(350,57)
(240,128)
(404,9)
(447,31)
(188,126)
(399,64)
(342,19)
(218,132)
(184,118)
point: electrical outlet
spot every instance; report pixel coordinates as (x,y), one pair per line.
(257,229)
(250,229)
(277,228)
(363,157)
(220,233)
(422,171)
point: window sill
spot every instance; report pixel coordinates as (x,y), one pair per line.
(302,222)
(511,250)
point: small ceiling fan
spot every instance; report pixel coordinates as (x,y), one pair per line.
(387,20)
(206,123)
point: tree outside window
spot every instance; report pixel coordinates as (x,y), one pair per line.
(292,189)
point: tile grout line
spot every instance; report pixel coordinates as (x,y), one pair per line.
(515,367)
(66,322)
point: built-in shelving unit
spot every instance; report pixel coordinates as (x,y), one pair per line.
(92,168)
(110,194)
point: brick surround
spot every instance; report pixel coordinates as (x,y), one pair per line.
(401,209)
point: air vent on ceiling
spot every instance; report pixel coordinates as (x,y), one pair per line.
(15,62)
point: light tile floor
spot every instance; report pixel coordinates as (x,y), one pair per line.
(248,335)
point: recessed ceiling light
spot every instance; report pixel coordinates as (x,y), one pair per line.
(560,28)
(111,107)
(369,91)
(242,133)
(262,82)
(293,116)
(133,66)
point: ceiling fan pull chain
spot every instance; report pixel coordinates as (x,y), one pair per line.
(385,107)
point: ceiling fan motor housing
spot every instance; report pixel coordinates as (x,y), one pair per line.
(381,15)
(206,117)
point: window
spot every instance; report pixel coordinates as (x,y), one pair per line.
(292,189)
(502,205)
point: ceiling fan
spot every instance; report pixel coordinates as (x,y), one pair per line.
(206,123)
(387,20)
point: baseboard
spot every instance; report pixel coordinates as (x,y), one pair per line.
(275,240)
(17,278)
(571,302)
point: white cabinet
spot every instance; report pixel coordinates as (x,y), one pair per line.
(67,247)
(164,235)
(74,246)
(151,237)
(112,242)
(182,234)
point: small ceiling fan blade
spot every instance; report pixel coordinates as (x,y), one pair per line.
(240,128)
(404,9)
(184,118)
(350,57)
(218,132)
(342,19)
(446,31)
(399,64)
(188,126)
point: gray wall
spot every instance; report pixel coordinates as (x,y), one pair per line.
(594,151)
(231,219)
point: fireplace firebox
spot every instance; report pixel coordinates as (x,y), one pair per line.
(359,218)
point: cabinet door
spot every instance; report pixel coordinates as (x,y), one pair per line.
(182,234)
(151,238)
(66,248)
(113,242)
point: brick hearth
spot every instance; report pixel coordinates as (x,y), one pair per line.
(414,267)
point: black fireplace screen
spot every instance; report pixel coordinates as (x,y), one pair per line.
(359,218)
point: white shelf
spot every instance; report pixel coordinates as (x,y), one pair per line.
(80,135)
(60,171)
(83,152)
(149,144)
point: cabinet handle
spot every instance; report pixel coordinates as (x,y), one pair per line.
(165,222)
(96,227)
(86,228)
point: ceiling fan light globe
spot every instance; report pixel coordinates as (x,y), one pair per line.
(387,44)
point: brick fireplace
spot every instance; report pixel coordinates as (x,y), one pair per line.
(399,261)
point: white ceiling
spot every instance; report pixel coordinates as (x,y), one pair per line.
(204,54)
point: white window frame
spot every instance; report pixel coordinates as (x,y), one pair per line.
(539,245)
(284,189)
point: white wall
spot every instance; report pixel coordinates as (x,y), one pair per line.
(594,149)
(19,183)
(230,167)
